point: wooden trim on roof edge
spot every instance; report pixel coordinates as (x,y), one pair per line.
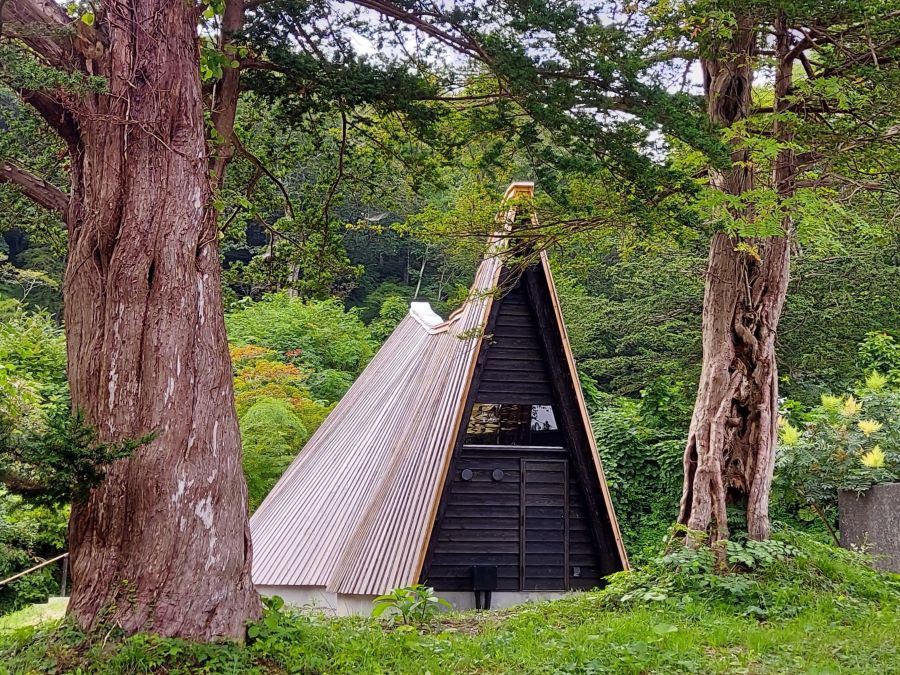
(466,395)
(582,406)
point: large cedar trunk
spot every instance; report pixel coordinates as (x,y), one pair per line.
(730,453)
(163,544)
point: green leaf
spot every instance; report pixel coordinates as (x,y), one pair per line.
(87,18)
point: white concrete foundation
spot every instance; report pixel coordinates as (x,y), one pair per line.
(340,604)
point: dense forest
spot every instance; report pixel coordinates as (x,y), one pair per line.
(213,215)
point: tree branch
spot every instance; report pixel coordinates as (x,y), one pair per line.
(877,56)
(49,32)
(816,37)
(255,161)
(36,189)
(465,45)
(55,114)
(224,100)
(326,207)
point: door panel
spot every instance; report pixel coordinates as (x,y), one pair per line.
(544,524)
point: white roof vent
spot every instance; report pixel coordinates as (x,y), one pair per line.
(422,312)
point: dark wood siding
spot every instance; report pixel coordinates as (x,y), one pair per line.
(481,523)
(514,370)
(544,524)
(540,523)
(532,524)
(586,564)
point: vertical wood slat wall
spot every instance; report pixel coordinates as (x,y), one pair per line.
(491,523)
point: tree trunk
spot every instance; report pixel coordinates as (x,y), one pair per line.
(163,544)
(730,453)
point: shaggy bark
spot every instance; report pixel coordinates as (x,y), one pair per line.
(163,544)
(730,453)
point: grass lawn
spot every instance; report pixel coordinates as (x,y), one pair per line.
(819,612)
(34,615)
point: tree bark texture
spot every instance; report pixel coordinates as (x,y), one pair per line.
(163,543)
(730,454)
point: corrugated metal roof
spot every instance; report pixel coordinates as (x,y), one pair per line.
(354,511)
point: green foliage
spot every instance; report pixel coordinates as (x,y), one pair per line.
(47,453)
(642,460)
(392,312)
(25,284)
(635,319)
(27,534)
(844,443)
(332,178)
(277,413)
(411,605)
(752,554)
(36,427)
(320,335)
(62,462)
(33,353)
(36,255)
(48,456)
(837,298)
(760,579)
(330,384)
(386,291)
(21,71)
(880,352)
(272,434)
(34,615)
(33,588)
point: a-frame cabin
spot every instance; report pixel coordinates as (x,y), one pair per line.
(462,458)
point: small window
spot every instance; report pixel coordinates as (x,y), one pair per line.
(513,424)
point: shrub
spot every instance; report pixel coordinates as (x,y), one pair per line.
(824,611)
(881,352)
(848,443)
(330,385)
(319,334)
(642,461)
(29,534)
(392,312)
(760,579)
(410,605)
(272,435)
(277,413)
(32,369)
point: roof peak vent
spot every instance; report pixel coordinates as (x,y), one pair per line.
(521,188)
(422,312)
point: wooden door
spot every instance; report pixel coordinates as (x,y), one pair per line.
(545,533)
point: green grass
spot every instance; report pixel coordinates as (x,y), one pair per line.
(35,615)
(822,612)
